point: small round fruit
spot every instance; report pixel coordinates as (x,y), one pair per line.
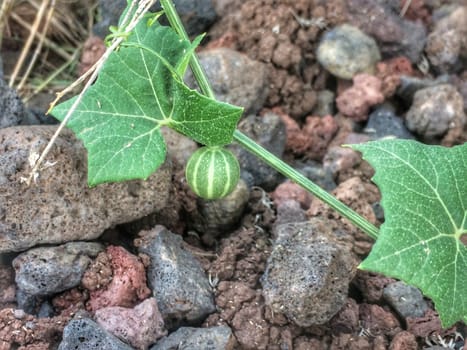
(212,172)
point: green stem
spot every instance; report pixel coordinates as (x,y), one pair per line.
(261,152)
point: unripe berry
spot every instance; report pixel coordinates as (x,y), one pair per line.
(212,172)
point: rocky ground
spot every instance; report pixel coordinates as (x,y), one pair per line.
(147,265)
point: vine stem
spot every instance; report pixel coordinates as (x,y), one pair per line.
(260,151)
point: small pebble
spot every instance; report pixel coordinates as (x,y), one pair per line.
(435,110)
(345,51)
(85,334)
(406,300)
(140,326)
(19,314)
(355,102)
(447,44)
(383,123)
(212,218)
(187,338)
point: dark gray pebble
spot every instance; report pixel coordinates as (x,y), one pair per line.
(406,300)
(383,123)
(179,283)
(85,334)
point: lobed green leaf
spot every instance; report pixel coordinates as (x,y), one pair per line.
(424,197)
(138,90)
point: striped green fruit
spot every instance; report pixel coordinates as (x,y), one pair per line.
(212,172)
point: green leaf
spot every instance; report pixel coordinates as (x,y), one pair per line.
(138,91)
(424,197)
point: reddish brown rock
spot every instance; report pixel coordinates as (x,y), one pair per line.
(404,341)
(371,285)
(19,329)
(347,319)
(250,327)
(389,73)
(289,190)
(376,320)
(140,326)
(7,286)
(128,285)
(70,301)
(93,49)
(424,326)
(311,140)
(356,101)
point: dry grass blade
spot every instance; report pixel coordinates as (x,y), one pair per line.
(29,41)
(405,8)
(49,43)
(37,51)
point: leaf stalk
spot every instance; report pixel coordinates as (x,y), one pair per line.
(260,151)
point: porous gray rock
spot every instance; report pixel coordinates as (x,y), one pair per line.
(406,300)
(268,131)
(212,218)
(446,46)
(85,334)
(178,281)
(12,110)
(435,111)
(60,207)
(308,273)
(48,270)
(140,326)
(234,77)
(345,51)
(188,338)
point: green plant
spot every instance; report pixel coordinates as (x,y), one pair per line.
(141,89)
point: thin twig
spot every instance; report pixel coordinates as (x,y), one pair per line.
(38,46)
(28,43)
(143,7)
